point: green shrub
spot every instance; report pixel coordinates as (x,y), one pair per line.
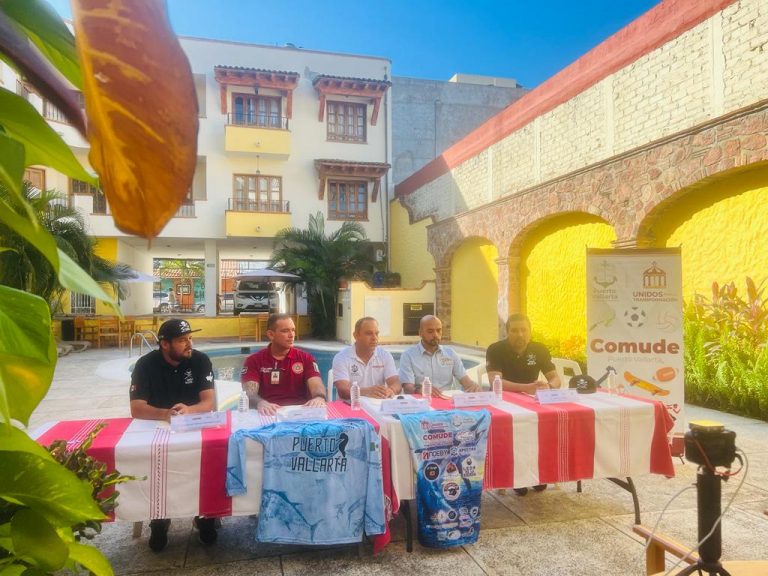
(726,360)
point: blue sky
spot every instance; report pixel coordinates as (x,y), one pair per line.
(528,41)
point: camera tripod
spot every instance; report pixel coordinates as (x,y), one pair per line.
(708,491)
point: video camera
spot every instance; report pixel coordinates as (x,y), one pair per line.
(708,443)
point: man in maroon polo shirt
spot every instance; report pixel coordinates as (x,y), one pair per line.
(281,375)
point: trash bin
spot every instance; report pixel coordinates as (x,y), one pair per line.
(68,329)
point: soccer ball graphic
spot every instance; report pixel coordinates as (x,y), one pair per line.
(634,317)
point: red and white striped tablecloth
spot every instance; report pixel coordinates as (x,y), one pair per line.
(600,436)
(182,473)
(185,471)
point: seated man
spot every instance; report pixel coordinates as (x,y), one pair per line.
(428,358)
(175,379)
(518,361)
(281,375)
(366,363)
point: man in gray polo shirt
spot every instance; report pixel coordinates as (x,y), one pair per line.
(429,358)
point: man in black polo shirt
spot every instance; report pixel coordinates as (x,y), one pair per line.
(174,379)
(519,361)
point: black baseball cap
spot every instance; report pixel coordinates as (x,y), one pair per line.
(174,328)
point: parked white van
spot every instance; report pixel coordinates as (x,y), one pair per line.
(253,294)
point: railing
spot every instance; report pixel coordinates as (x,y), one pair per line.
(185,211)
(258,121)
(50,112)
(270,206)
(142,341)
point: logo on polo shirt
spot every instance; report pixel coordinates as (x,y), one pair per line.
(354,369)
(531,359)
(297,367)
(188,379)
(446,361)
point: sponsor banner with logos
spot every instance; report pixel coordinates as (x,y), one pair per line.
(635,323)
(448,450)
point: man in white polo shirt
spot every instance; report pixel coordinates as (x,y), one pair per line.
(428,358)
(366,363)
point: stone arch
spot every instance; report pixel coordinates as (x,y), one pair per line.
(548,265)
(719,223)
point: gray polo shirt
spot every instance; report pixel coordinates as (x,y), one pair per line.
(441,367)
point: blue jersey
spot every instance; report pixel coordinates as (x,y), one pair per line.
(321,481)
(448,450)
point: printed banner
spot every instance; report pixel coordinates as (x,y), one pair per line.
(448,450)
(635,323)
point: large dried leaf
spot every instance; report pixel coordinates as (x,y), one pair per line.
(142,109)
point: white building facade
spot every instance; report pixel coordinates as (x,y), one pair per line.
(284,133)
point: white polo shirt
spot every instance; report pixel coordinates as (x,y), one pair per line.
(348,366)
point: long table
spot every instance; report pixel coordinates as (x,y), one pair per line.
(600,436)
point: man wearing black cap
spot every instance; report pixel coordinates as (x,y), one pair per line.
(175,379)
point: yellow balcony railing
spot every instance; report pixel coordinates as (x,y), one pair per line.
(266,136)
(254,219)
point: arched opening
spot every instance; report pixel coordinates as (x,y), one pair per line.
(553,276)
(721,227)
(474,292)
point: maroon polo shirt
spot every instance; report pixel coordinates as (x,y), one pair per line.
(283,381)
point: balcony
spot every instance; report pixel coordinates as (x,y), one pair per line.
(255,219)
(265,135)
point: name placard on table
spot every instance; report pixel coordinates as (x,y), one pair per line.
(197,421)
(404,404)
(464,399)
(292,413)
(556,395)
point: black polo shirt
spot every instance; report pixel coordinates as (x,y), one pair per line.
(522,368)
(163,385)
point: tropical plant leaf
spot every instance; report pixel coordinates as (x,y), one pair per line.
(46,486)
(31,231)
(142,110)
(13,570)
(45,28)
(12,167)
(41,143)
(90,558)
(15,440)
(36,540)
(27,352)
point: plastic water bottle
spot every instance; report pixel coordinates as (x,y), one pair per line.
(612,382)
(354,395)
(426,389)
(243,403)
(497,388)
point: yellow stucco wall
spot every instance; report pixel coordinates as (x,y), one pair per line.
(363,300)
(552,272)
(408,248)
(107,249)
(474,277)
(722,230)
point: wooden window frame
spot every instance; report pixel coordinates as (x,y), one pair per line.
(334,213)
(346,122)
(268,205)
(29,176)
(256,118)
(80,188)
